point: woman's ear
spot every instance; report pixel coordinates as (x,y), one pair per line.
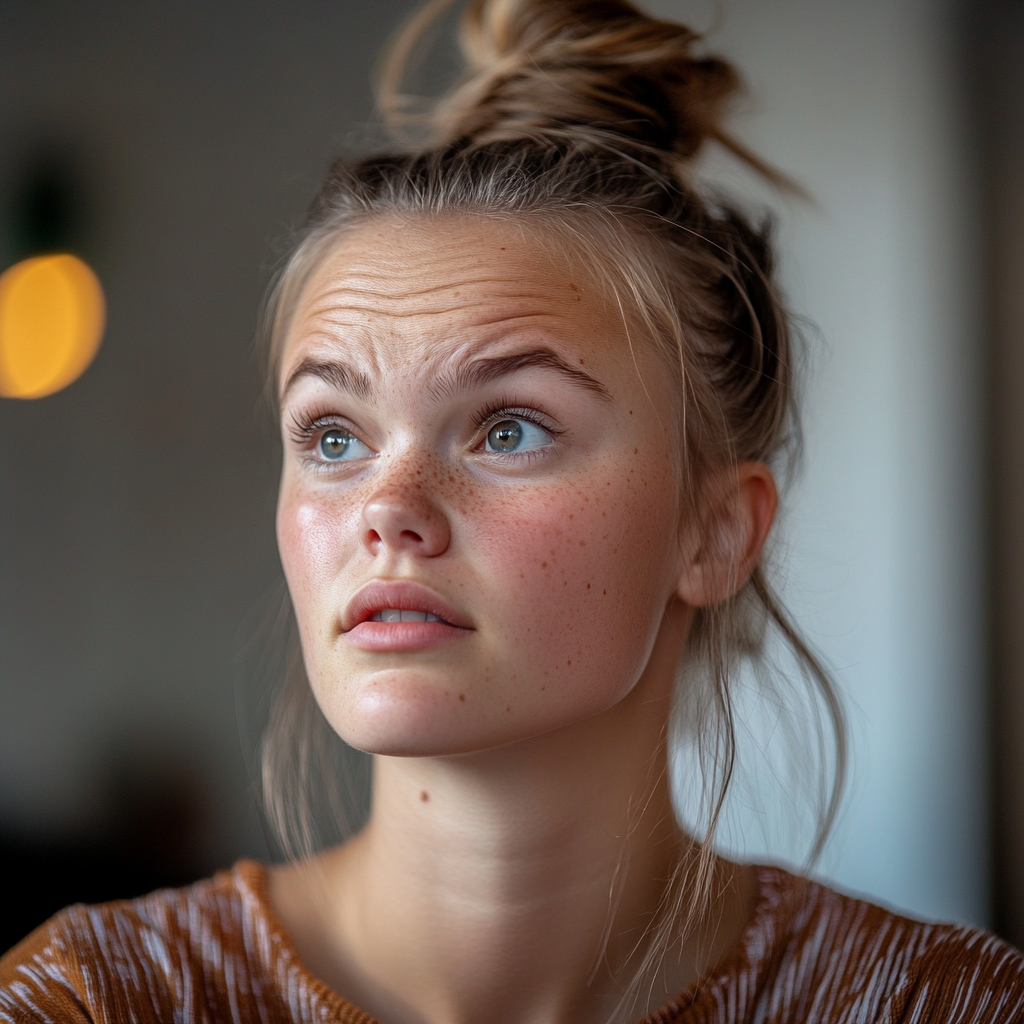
(720,555)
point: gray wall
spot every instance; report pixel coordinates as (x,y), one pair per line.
(136,507)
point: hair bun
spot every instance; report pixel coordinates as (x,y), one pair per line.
(579,69)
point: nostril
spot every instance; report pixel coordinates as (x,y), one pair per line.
(399,520)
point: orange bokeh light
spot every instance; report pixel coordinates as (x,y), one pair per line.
(52,315)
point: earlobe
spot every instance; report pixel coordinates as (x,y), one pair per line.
(721,553)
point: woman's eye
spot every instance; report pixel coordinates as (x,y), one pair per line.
(340,446)
(516,436)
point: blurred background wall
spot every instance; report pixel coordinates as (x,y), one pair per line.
(884,543)
(136,507)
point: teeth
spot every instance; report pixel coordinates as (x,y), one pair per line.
(401,615)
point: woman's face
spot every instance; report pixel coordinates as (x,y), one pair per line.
(478,518)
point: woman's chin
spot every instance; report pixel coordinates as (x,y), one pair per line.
(402,714)
(408,714)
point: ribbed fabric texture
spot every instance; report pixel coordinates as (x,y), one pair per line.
(214,953)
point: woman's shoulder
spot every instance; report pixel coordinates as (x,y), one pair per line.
(811,952)
(211,951)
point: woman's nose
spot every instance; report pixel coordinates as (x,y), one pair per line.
(402,519)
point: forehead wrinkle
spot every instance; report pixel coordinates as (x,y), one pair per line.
(350,283)
(364,300)
(348,296)
(334,316)
(459,368)
(511,318)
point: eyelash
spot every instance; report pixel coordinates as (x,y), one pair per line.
(505,409)
(305,427)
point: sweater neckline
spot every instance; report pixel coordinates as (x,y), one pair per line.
(251,877)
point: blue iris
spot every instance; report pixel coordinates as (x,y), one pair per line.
(517,436)
(339,446)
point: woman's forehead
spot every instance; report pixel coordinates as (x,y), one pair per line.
(413,264)
(454,284)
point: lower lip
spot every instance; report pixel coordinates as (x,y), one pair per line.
(403,636)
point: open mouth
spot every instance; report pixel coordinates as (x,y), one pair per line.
(399,629)
(401,615)
(404,615)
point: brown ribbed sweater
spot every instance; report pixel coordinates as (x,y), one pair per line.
(215,952)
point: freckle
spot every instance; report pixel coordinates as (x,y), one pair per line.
(583,543)
(569,662)
(605,592)
(462,697)
(543,565)
(588,586)
(630,412)
(508,709)
(636,451)
(424,795)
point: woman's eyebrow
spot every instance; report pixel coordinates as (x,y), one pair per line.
(483,371)
(343,377)
(340,376)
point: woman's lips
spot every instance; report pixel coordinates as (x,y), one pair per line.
(402,636)
(401,615)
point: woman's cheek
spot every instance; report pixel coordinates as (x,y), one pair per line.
(579,586)
(312,533)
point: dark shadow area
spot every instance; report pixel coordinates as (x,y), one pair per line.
(995,34)
(153,828)
(49,204)
(43,878)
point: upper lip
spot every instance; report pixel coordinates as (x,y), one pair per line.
(407,595)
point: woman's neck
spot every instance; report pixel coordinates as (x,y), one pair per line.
(516,884)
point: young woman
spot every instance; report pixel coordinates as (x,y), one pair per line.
(532,387)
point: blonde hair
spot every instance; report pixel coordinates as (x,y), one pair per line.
(584,117)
